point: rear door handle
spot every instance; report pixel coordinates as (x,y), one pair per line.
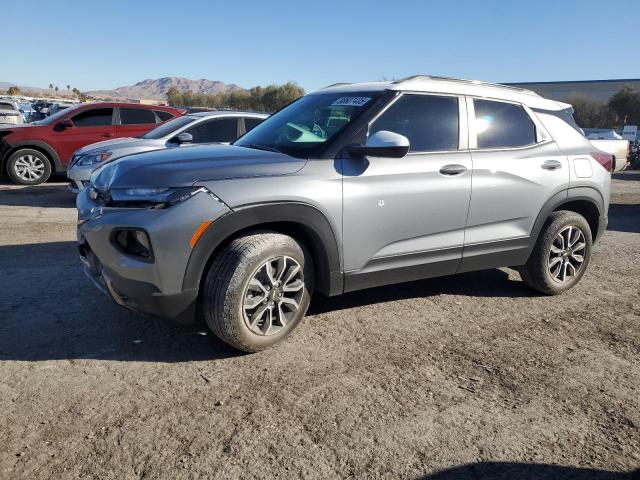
(551,165)
(107,135)
(453,169)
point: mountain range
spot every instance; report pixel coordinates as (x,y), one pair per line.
(149,88)
(157,89)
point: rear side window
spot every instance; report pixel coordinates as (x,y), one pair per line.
(136,116)
(93,118)
(503,125)
(163,116)
(220,130)
(429,122)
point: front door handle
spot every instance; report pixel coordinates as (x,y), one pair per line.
(107,135)
(453,169)
(551,165)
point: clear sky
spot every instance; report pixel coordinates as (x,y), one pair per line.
(105,44)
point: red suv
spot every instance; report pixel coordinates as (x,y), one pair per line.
(30,153)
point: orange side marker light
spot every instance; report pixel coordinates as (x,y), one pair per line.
(198,233)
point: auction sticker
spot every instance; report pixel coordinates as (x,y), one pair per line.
(351,101)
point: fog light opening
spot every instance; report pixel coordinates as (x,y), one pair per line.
(133,242)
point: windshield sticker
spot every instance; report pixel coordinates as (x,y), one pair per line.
(351,101)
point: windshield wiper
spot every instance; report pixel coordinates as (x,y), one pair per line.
(261,146)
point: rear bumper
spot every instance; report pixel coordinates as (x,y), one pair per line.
(603,221)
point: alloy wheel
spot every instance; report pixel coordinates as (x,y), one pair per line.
(273,296)
(29,167)
(566,256)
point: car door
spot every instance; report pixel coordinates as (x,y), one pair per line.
(516,168)
(90,125)
(134,121)
(404,218)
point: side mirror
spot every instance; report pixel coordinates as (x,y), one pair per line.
(68,123)
(382,144)
(183,137)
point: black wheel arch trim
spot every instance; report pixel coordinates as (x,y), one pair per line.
(321,240)
(564,197)
(35,145)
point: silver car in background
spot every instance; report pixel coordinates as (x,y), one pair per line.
(191,129)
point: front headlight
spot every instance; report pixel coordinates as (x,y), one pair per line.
(93,158)
(156,197)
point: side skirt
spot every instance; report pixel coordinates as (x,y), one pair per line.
(403,268)
(419,266)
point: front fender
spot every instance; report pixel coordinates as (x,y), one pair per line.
(303,219)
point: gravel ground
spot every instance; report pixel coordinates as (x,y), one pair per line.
(472,376)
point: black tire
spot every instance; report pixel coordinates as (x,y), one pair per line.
(38,158)
(537,273)
(227,281)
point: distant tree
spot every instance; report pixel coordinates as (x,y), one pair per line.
(56,89)
(261,99)
(174,96)
(51,87)
(590,113)
(13,91)
(626,106)
(68,89)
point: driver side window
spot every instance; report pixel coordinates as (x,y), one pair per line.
(94,117)
(216,130)
(430,122)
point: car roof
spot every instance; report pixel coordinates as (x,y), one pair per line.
(227,113)
(454,86)
(125,104)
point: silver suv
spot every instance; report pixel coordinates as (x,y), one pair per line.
(349,187)
(192,129)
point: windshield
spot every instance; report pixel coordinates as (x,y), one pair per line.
(302,128)
(57,116)
(169,127)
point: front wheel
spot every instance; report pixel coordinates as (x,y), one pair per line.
(561,255)
(257,290)
(28,167)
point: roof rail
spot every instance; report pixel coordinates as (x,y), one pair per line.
(462,80)
(336,85)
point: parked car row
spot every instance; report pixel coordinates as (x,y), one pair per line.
(76,139)
(349,187)
(191,129)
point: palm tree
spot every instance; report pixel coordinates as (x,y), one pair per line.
(51,86)
(56,89)
(68,89)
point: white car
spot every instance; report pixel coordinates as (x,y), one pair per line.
(10,113)
(191,129)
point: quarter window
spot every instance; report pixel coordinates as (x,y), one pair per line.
(221,130)
(93,118)
(136,116)
(503,125)
(429,122)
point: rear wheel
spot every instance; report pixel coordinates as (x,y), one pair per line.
(561,255)
(28,167)
(257,290)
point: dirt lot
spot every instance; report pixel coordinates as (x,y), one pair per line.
(397,382)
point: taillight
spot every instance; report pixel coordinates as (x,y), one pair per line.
(604,159)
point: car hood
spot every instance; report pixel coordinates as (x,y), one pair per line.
(116,144)
(22,126)
(185,166)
